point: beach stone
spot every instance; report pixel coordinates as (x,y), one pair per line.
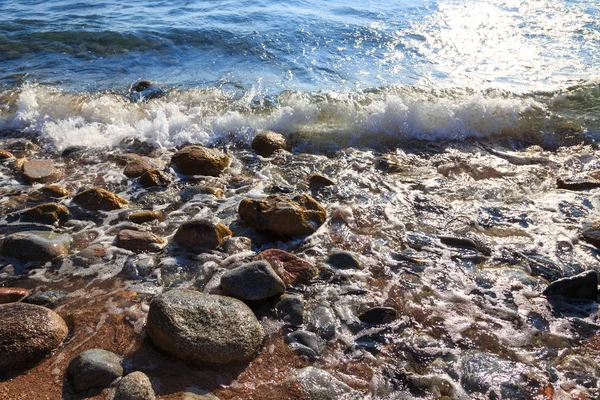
(305,343)
(12,294)
(139,241)
(482,372)
(55,191)
(49,213)
(317,384)
(20,147)
(134,386)
(35,245)
(94,369)
(200,234)
(138,165)
(252,281)
(290,309)
(237,244)
(199,160)
(591,232)
(283,216)
(583,286)
(342,259)
(40,171)
(321,319)
(268,142)
(317,180)
(198,394)
(4,155)
(98,199)
(28,333)
(378,315)
(204,328)
(141,217)
(48,298)
(292,269)
(154,177)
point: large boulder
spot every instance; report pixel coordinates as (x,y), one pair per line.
(252,281)
(35,245)
(94,368)
(199,160)
(28,333)
(201,234)
(99,199)
(292,269)
(283,216)
(204,328)
(268,142)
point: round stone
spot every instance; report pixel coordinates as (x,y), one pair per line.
(135,386)
(36,245)
(199,160)
(199,234)
(99,199)
(94,368)
(252,281)
(268,142)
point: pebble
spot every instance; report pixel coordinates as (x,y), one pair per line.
(252,281)
(378,315)
(48,298)
(139,241)
(591,232)
(35,245)
(4,155)
(138,165)
(141,217)
(342,259)
(98,199)
(55,191)
(305,343)
(134,386)
(268,142)
(317,180)
(199,160)
(199,234)
(94,369)
(290,309)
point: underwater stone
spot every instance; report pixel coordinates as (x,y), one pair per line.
(36,245)
(268,142)
(138,165)
(48,298)
(583,286)
(139,241)
(134,386)
(49,213)
(199,160)
(378,315)
(199,234)
(342,259)
(99,199)
(318,384)
(591,232)
(252,281)
(292,269)
(321,320)
(154,177)
(94,368)
(290,309)
(204,328)
(305,343)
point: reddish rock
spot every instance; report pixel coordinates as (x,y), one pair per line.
(6,155)
(140,217)
(201,234)
(155,177)
(49,213)
(268,142)
(12,295)
(139,241)
(99,199)
(292,269)
(40,171)
(55,191)
(199,160)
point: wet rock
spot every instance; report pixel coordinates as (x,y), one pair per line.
(199,160)
(378,315)
(342,259)
(21,147)
(155,177)
(591,232)
(49,213)
(583,286)
(139,241)
(94,369)
(40,171)
(4,155)
(204,328)
(580,369)
(305,343)
(268,142)
(138,165)
(283,216)
(292,269)
(252,281)
(290,309)
(317,384)
(141,217)
(321,320)
(28,333)
(12,294)
(35,245)
(389,163)
(201,234)
(576,184)
(134,386)
(99,199)
(317,180)
(49,298)
(55,191)
(237,244)
(144,91)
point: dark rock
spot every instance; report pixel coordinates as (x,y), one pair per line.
(318,384)
(40,171)
(268,142)
(199,234)
(155,177)
(141,217)
(144,91)
(342,259)
(292,269)
(378,315)
(35,246)
(48,298)
(316,180)
(20,147)
(198,160)
(290,309)
(134,386)
(252,281)
(99,199)
(28,333)
(389,163)
(203,328)
(591,232)
(12,294)
(321,320)
(49,213)
(283,216)
(576,184)
(139,241)
(94,369)
(55,191)
(583,286)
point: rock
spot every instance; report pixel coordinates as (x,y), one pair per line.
(4,155)
(12,294)
(252,281)
(48,298)
(290,309)
(204,328)
(576,184)
(583,286)
(283,216)
(35,245)
(305,343)
(268,142)
(28,333)
(237,244)
(378,315)
(143,91)
(317,384)
(199,160)
(138,165)
(141,217)
(99,199)
(134,386)
(321,320)
(591,232)
(49,213)
(316,180)
(94,369)
(198,394)
(40,171)
(154,177)
(292,269)
(342,259)
(199,234)
(139,241)
(21,147)
(55,191)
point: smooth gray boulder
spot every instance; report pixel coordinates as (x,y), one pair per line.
(252,281)
(94,369)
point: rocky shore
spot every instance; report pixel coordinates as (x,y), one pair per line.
(440,270)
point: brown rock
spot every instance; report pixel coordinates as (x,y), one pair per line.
(283,216)
(199,160)
(140,164)
(317,180)
(35,245)
(12,294)
(591,232)
(291,269)
(6,155)
(40,171)
(139,241)
(154,177)
(135,386)
(99,199)
(268,142)
(55,191)
(49,213)
(145,216)
(28,333)
(201,234)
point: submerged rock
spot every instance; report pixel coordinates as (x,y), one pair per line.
(305,343)
(342,259)
(35,245)
(134,386)
(199,234)
(139,165)
(49,213)
(48,298)
(268,142)
(252,281)
(40,171)
(283,216)
(290,309)
(99,199)
(28,333)
(317,384)
(292,269)
(199,160)
(591,232)
(583,286)
(378,315)
(204,328)
(139,241)
(94,368)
